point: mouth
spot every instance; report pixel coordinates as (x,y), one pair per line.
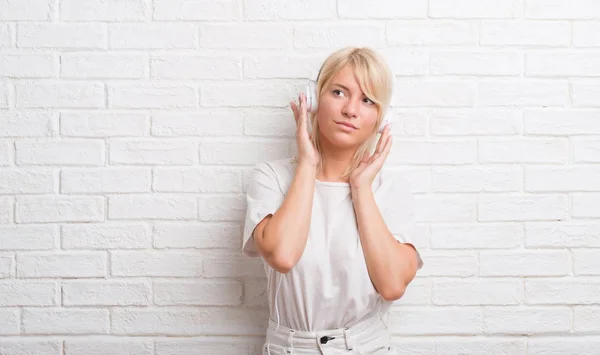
(347,124)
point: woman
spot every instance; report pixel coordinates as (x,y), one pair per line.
(334,230)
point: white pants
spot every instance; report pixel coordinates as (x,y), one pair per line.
(370,337)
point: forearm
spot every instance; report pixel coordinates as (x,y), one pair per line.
(391,265)
(285,235)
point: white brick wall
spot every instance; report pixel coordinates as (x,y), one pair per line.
(128,130)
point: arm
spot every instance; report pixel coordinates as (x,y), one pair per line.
(281,237)
(391,265)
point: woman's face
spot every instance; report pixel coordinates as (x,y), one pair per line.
(346,116)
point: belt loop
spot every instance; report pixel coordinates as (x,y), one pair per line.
(290,342)
(349,342)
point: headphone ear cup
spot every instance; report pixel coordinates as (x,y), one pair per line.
(311,96)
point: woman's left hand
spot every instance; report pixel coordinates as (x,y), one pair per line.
(369,166)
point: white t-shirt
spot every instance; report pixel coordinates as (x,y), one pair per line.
(329,287)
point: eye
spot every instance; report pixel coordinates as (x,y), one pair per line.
(368,101)
(337,92)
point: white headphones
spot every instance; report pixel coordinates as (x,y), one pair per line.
(312,103)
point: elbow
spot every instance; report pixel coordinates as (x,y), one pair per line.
(392,293)
(280,262)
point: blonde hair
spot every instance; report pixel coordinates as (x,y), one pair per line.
(375,80)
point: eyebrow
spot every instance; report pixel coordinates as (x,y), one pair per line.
(342,86)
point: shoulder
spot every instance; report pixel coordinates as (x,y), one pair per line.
(281,171)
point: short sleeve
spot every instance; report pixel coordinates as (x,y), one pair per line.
(399,214)
(263,197)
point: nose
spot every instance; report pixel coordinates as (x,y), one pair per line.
(351,108)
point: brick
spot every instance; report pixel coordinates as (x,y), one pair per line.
(153,36)
(61,264)
(103,124)
(7,149)
(32,10)
(62,36)
(475,9)
(480,179)
(66,152)
(471,345)
(26,181)
(586,93)
(152,96)
(59,94)
(585,205)
(105,293)
(522,207)
(245,36)
(562,63)
(281,67)
(562,235)
(106,180)
(241,152)
(206,180)
(561,121)
(30,237)
(522,92)
(210,123)
(98,10)
(434,93)
(222,208)
(6,36)
(25,346)
(269,123)
(562,179)
(407,61)
(382,9)
(476,63)
(6,210)
(563,346)
(586,262)
(109,346)
(525,33)
(44,209)
(524,150)
(585,33)
(28,65)
(198,293)
(192,10)
(524,263)
(458,264)
(433,152)
(426,321)
(417,293)
(476,236)
(264,93)
(564,291)
(20,293)
(10,322)
(432,33)
(65,321)
(106,236)
(531,320)
(5,94)
(586,150)
(26,124)
(192,66)
(273,10)
(152,207)
(208,321)
(208,345)
(255,293)
(557,9)
(156,263)
(227,264)
(7,265)
(333,36)
(445,208)
(153,152)
(103,65)
(478,292)
(196,235)
(586,319)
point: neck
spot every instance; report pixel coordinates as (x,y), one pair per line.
(334,163)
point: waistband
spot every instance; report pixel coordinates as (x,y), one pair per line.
(368,333)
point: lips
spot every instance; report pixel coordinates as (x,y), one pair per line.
(346,124)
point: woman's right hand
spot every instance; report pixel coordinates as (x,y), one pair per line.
(307,153)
